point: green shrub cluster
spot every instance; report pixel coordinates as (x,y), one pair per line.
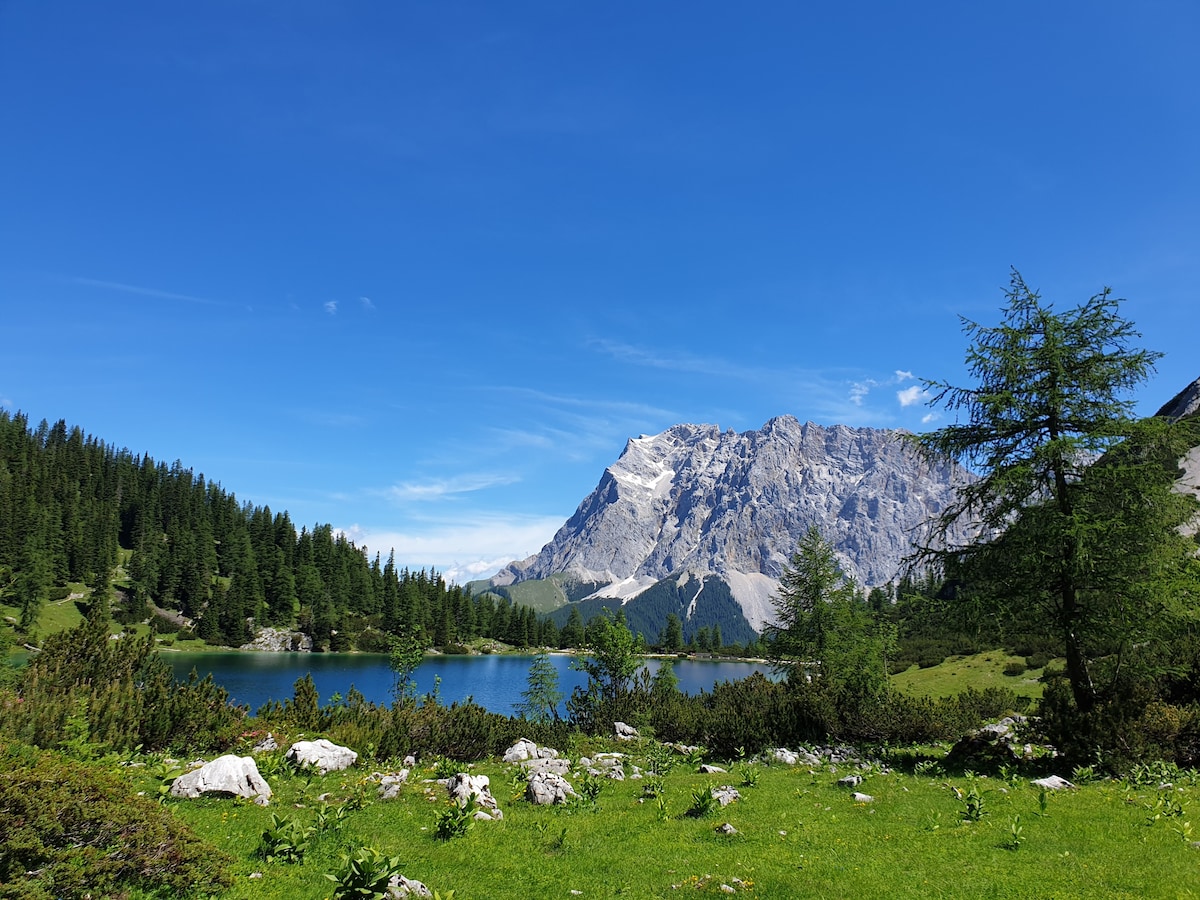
(1133,727)
(74,830)
(115,694)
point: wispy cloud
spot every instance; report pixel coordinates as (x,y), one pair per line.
(366,303)
(144,291)
(679,362)
(445,488)
(331,307)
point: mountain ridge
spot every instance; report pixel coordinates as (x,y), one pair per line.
(694,500)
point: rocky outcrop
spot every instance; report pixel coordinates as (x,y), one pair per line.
(324,756)
(277,640)
(698,501)
(1185,403)
(464,787)
(549,789)
(234,776)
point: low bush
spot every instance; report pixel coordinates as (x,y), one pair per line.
(81,831)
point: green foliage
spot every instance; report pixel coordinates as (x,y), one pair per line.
(364,874)
(749,773)
(610,665)
(974,807)
(407,651)
(73,830)
(541,697)
(704,803)
(455,820)
(824,632)
(1089,553)
(90,693)
(286,840)
(671,639)
(1016,834)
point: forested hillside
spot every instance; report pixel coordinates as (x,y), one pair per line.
(182,552)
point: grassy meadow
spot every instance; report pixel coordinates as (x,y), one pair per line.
(798,834)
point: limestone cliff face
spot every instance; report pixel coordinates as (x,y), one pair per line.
(701,501)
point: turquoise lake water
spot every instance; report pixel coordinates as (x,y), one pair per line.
(494,682)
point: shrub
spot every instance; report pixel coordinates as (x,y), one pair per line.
(1038,660)
(84,833)
(1131,728)
(1015,668)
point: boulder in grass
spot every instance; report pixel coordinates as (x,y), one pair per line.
(1053,783)
(324,756)
(234,776)
(548,789)
(463,786)
(625,732)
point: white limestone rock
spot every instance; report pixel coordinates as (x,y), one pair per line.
(236,776)
(323,755)
(463,786)
(548,789)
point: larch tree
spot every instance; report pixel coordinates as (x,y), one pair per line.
(1078,524)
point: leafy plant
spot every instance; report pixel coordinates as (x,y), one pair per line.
(972,800)
(590,788)
(456,819)
(703,803)
(653,786)
(660,760)
(749,774)
(446,768)
(364,874)
(1016,834)
(331,818)
(1083,774)
(286,840)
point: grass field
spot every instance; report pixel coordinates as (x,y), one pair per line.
(956,674)
(798,834)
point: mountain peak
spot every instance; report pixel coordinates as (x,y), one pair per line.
(696,501)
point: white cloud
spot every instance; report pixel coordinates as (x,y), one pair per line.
(912,395)
(447,487)
(331,307)
(366,303)
(463,549)
(929,417)
(903,376)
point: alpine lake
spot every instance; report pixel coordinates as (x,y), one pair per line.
(494,681)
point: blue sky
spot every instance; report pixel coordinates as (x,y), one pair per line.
(419,270)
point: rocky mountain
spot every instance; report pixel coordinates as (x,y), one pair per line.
(704,521)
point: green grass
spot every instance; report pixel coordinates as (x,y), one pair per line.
(956,674)
(799,835)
